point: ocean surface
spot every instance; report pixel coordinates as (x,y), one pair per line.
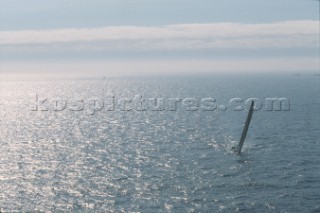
(77,156)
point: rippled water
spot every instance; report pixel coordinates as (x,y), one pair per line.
(160,161)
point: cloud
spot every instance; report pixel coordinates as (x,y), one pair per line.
(287,34)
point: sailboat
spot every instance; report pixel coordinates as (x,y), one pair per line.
(245,128)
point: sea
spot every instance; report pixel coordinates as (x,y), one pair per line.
(160,144)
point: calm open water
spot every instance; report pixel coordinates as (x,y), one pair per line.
(160,161)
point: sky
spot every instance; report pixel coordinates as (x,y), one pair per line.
(126,37)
